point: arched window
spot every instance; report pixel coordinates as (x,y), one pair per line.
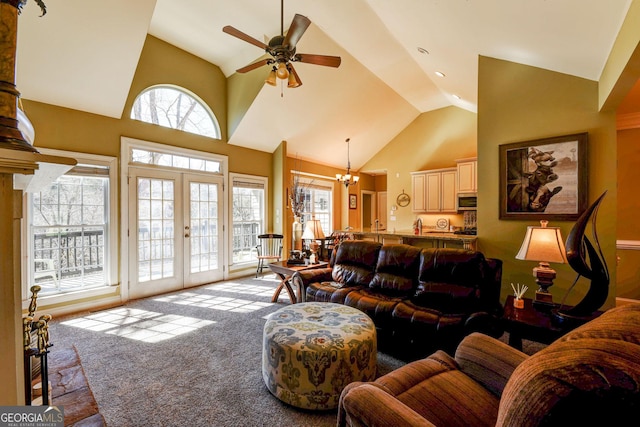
(175,108)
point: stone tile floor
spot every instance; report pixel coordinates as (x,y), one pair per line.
(70,390)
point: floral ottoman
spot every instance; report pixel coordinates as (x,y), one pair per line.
(312,350)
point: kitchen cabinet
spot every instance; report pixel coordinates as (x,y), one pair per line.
(418,190)
(467,175)
(434,191)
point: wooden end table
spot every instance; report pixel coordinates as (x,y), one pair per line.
(285,272)
(532,323)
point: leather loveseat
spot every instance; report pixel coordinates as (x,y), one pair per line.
(588,377)
(419,299)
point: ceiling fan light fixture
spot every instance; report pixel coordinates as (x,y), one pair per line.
(271,79)
(282,72)
(282,49)
(294,81)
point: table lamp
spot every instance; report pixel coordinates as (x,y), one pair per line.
(543,244)
(313,231)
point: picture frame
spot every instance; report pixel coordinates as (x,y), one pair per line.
(353,201)
(544,178)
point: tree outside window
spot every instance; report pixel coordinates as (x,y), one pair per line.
(248,216)
(174,108)
(317,204)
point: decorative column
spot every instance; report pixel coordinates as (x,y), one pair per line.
(11,141)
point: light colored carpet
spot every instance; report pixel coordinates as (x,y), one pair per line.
(188,358)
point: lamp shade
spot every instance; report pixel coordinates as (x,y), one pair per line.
(271,79)
(543,244)
(313,230)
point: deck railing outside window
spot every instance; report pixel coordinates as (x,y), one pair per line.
(68,259)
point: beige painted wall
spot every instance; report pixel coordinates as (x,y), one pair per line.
(628,179)
(433,140)
(342,215)
(628,278)
(520,103)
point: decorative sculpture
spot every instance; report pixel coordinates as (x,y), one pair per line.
(587,260)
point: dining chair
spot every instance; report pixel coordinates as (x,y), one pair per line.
(269,249)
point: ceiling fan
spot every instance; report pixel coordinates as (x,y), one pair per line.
(282,49)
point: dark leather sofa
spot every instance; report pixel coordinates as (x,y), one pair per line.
(419,299)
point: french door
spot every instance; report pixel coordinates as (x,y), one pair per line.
(175,230)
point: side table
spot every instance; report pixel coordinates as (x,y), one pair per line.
(285,272)
(532,323)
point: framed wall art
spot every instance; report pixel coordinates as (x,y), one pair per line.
(353,201)
(544,178)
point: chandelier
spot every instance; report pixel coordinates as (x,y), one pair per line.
(347,179)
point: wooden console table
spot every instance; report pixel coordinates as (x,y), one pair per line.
(284,272)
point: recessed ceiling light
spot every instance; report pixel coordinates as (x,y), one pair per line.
(457,97)
(423,50)
(440,74)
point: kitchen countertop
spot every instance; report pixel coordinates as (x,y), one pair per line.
(434,235)
(440,239)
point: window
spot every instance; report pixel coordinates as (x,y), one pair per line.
(175,108)
(160,158)
(249,215)
(317,203)
(69,235)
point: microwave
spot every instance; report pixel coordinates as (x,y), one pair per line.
(467,202)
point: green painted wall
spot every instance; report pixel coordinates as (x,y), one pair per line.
(242,89)
(516,103)
(160,63)
(621,71)
(520,103)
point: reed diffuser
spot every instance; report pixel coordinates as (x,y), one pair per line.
(518,292)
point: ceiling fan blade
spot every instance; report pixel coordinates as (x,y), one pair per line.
(327,61)
(298,26)
(242,36)
(296,79)
(255,65)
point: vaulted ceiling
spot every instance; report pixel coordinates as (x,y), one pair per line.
(83,55)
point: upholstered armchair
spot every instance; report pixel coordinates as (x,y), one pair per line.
(590,376)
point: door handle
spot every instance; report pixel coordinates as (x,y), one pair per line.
(186,231)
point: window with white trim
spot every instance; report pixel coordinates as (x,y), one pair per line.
(172,160)
(69,235)
(318,195)
(176,108)
(248,216)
